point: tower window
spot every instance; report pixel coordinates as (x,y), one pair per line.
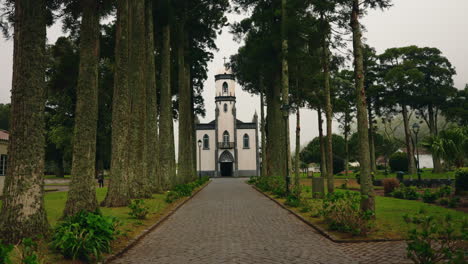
(206,142)
(246,141)
(226,137)
(225,107)
(225,88)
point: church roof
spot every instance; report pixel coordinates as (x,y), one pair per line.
(242,125)
(239,124)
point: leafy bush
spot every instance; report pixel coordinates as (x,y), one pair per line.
(429,197)
(342,212)
(28,252)
(453,202)
(84,236)
(338,164)
(5,251)
(408,193)
(273,184)
(461,180)
(293,201)
(444,201)
(184,190)
(390,184)
(434,240)
(398,162)
(445,191)
(138,209)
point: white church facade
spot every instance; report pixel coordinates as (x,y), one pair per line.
(228,147)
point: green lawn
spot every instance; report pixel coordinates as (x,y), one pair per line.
(389,216)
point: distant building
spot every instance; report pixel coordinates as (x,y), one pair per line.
(229,146)
(4,136)
(425,158)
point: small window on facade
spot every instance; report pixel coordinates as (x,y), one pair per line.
(206,142)
(246,141)
(225,88)
(225,107)
(226,137)
(3,164)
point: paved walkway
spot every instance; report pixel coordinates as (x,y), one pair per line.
(229,222)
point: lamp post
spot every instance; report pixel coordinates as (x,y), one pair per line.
(199,158)
(416,131)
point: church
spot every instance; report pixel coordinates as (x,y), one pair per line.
(227,147)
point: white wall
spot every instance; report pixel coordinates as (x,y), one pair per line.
(207,155)
(425,161)
(247,157)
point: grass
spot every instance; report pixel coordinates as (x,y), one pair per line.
(389,222)
(425,174)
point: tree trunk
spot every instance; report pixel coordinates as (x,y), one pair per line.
(118,194)
(262,128)
(368,196)
(82,193)
(140,183)
(23,213)
(166,131)
(346,135)
(151,103)
(285,84)
(275,154)
(185,168)
(323,157)
(328,114)
(298,147)
(371,139)
(433,131)
(409,145)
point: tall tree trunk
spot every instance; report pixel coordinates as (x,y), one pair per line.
(151,103)
(285,83)
(298,147)
(371,139)
(22,213)
(328,114)
(185,167)
(166,131)
(118,194)
(140,186)
(433,131)
(262,128)
(323,157)
(346,136)
(82,193)
(409,145)
(275,154)
(367,191)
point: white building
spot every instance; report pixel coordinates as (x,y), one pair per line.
(229,147)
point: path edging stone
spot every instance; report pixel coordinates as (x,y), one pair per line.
(145,232)
(319,229)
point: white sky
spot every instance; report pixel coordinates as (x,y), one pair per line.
(434,23)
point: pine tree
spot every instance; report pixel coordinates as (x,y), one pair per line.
(22,212)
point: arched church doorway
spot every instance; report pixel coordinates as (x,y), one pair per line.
(226,162)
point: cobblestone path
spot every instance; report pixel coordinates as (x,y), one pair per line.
(229,222)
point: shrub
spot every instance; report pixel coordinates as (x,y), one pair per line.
(390,184)
(84,236)
(445,191)
(429,197)
(453,202)
(398,162)
(408,193)
(342,211)
(28,252)
(461,180)
(293,201)
(275,185)
(5,251)
(338,164)
(183,190)
(444,201)
(138,209)
(434,240)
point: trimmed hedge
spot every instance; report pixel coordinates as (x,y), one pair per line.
(398,162)
(461,180)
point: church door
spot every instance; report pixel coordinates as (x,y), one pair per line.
(226,169)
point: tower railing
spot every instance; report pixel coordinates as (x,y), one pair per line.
(225,145)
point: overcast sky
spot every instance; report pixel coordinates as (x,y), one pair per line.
(433,23)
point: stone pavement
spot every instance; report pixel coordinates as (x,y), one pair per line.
(230,222)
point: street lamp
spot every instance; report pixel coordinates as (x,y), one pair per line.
(199,158)
(416,131)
